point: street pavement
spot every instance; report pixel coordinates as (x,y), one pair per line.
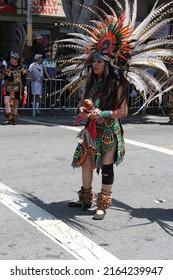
(35,163)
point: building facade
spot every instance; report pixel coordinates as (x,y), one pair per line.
(46,14)
(45,17)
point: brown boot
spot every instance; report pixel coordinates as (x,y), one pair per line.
(104,200)
(171,115)
(85,199)
(13,119)
(8,119)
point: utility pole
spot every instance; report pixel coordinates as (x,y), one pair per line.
(29,23)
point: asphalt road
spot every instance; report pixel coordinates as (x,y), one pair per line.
(35,163)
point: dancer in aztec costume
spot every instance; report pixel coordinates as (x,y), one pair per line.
(111,54)
(15,88)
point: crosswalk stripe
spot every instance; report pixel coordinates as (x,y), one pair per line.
(81,247)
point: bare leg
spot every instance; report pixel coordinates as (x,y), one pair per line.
(85,194)
(7,104)
(87,174)
(14,111)
(15,106)
(35,104)
(8,115)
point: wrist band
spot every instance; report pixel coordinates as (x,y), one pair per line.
(106,114)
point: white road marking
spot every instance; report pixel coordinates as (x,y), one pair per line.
(151,147)
(132,142)
(38,122)
(81,247)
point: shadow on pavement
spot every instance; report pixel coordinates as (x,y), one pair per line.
(60,210)
(71,216)
(152,215)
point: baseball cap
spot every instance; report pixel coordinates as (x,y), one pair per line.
(38,36)
(37,56)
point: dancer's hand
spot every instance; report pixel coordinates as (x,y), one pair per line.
(83,113)
(95,114)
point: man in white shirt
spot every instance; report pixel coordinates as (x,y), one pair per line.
(35,72)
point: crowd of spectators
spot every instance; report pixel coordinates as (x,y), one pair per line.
(44,91)
(43,77)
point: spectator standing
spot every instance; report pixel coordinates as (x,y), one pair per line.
(50,72)
(35,73)
(50,67)
(4,62)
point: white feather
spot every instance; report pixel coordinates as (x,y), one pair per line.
(149,61)
(146,76)
(140,28)
(154,54)
(75,41)
(159,95)
(134,14)
(138,82)
(153,44)
(70,67)
(82,36)
(127,12)
(151,31)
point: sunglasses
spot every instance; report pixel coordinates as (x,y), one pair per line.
(49,55)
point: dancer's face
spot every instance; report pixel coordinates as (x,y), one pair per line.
(13,61)
(99,66)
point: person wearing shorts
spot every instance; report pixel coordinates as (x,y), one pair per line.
(35,73)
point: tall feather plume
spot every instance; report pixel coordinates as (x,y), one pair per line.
(134,14)
(127,13)
(144,23)
(19,41)
(110,8)
(119,5)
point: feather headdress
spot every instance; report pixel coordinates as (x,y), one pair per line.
(130,48)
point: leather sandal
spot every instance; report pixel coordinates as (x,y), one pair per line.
(99,216)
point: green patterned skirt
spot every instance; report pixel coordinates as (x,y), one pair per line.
(108,132)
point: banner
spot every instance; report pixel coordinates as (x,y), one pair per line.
(48,8)
(86,270)
(12,8)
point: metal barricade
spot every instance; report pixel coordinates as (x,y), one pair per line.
(50,97)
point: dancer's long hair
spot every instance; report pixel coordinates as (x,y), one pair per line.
(110,85)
